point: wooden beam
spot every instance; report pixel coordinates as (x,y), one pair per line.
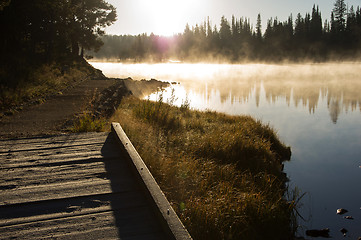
(164,210)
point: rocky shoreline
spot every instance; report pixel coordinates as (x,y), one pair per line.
(108,100)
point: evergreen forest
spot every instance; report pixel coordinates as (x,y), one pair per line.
(38,32)
(300,38)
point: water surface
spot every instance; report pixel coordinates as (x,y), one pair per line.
(315,108)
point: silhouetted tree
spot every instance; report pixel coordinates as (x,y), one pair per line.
(40,31)
(339,12)
(236,40)
(259,27)
(225,36)
(316,25)
(87,19)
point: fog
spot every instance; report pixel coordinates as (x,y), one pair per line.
(300,84)
(315,109)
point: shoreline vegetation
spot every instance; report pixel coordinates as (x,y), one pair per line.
(222,174)
(45,80)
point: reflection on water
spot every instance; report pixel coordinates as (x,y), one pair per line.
(304,85)
(315,108)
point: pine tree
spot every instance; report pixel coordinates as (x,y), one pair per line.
(316,24)
(259,27)
(339,11)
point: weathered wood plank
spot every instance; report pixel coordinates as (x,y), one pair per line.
(40,157)
(166,214)
(52,147)
(50,160)
(67,139)
(63,173)
(72,187)
(118,224)
(67,207)
(64,190)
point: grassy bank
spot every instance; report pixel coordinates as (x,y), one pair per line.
(221,173)
(35,82)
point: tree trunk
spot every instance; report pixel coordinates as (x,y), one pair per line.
(75,48)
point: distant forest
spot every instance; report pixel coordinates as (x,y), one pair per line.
(303,38)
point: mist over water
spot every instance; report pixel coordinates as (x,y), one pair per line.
(303,85)
(315,108)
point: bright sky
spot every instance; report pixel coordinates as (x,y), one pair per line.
(165,17)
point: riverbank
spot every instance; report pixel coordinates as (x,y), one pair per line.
(41,82)
(53,97)
(221,173)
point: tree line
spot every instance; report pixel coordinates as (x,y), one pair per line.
(306,37)
(40,31)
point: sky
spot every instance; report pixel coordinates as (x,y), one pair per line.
(168,17)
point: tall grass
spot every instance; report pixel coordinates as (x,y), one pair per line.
(88,121)
(222,174)
(159,113)
(40,82)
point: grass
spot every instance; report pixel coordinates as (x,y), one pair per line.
(40,82)
(88,121)
(221,173)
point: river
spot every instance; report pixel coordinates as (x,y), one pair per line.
(315,108)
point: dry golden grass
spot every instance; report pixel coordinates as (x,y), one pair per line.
(221,173)
(87,122)
(41,82)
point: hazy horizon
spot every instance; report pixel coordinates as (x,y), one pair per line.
(167,17)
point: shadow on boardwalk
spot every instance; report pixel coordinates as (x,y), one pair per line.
(71,187)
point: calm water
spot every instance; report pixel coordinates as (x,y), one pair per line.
(316,109)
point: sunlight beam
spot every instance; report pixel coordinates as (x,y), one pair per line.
(167,16)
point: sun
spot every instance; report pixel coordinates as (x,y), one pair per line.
(167,17)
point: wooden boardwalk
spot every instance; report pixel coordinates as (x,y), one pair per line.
(78,186)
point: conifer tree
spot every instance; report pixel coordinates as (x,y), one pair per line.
(339,12)
(316,24)
(259,27)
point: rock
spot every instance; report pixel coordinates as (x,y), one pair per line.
(343,231)
(341,211)
(318,233)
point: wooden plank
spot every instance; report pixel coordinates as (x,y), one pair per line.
(72,187)
(118,224)
(26,158)
(42,148)
(63,172)
(66,207)
(30,151)
(6,144)
(48,160)
(64,190)
(166,214)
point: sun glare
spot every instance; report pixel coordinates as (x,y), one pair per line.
(167,16)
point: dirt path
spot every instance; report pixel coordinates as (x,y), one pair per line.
(54,115)
(51,117)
